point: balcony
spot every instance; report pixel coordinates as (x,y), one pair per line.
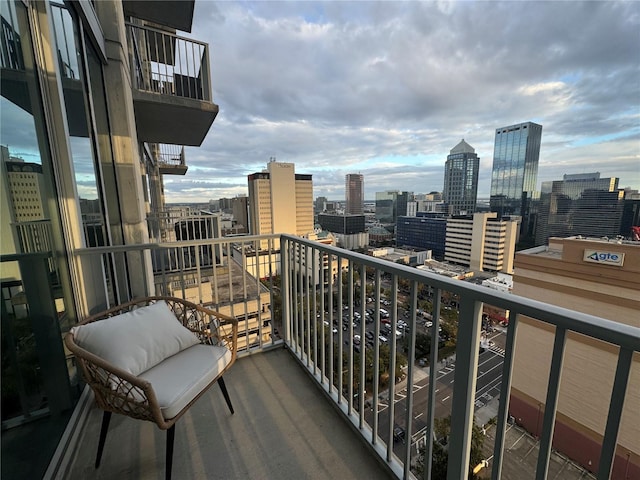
(313,400)
(171,86)
(169,159)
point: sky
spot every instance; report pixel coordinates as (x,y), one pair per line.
(387,89)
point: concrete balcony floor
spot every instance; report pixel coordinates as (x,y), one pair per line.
(284,427)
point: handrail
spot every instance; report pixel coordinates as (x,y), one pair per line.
(157,30)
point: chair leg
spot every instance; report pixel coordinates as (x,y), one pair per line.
(106,418)
(169,460)
(223,387)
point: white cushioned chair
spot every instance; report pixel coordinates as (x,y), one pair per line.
(152,358)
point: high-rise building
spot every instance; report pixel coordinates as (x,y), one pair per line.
(426,231)
(580,204)
(345,224)
(391,204)
(240,208)
(25,184)
(354,191)
(597,277)
(349,230)
(630,214)
(461,179)
(515,169)
(320,204)
(273,208)
(482,242)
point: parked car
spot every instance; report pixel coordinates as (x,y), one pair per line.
(398,434)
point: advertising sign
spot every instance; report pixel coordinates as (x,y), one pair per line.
(604,257)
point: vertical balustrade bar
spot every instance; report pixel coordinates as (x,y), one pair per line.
(433,382)
(464,387)
(157,57)
(323,338)
(244,293)
(376,356)
(306,296)
(271,289)
(284,289)
(331,311)
(254,245)
(165,63)
(363,349)
(551,404)
(191,74)
(205,75)
(351,334)
(316,315)
(231,296)
(505,390)
(216,297)
(181,267)
(340,330)
(616,405)
(173,68)
(199,251)
(392,364)
(297,298)
(410,370)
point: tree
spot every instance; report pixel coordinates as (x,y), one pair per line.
(423,344)
(442,428)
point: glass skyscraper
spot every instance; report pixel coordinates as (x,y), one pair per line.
(579,204)
(515,168)
(391,204)
(461,179)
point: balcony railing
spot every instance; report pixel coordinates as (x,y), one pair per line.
(169,64)
(296,289)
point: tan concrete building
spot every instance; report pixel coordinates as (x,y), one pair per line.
(482,242)
(600,278)
(280,201)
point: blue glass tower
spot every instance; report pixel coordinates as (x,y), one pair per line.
(515,168)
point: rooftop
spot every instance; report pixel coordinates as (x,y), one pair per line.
(462,147)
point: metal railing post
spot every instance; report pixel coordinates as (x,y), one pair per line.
(464,388)
(284,290)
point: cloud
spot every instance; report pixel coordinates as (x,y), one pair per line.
(388,88)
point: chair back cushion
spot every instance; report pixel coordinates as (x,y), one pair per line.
(138,340)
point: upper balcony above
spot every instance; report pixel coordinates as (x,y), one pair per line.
(176,14)
(171,87)
(170,159)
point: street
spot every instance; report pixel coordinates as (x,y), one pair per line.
(487,387)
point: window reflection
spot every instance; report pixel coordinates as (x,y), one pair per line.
(80,131)
(34,376)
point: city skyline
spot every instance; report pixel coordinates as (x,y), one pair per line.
(386,89)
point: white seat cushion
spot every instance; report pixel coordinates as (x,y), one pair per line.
(180,378)
(137,340)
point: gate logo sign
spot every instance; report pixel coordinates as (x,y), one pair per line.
(604,258)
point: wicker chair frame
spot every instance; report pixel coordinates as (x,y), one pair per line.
(118,391)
